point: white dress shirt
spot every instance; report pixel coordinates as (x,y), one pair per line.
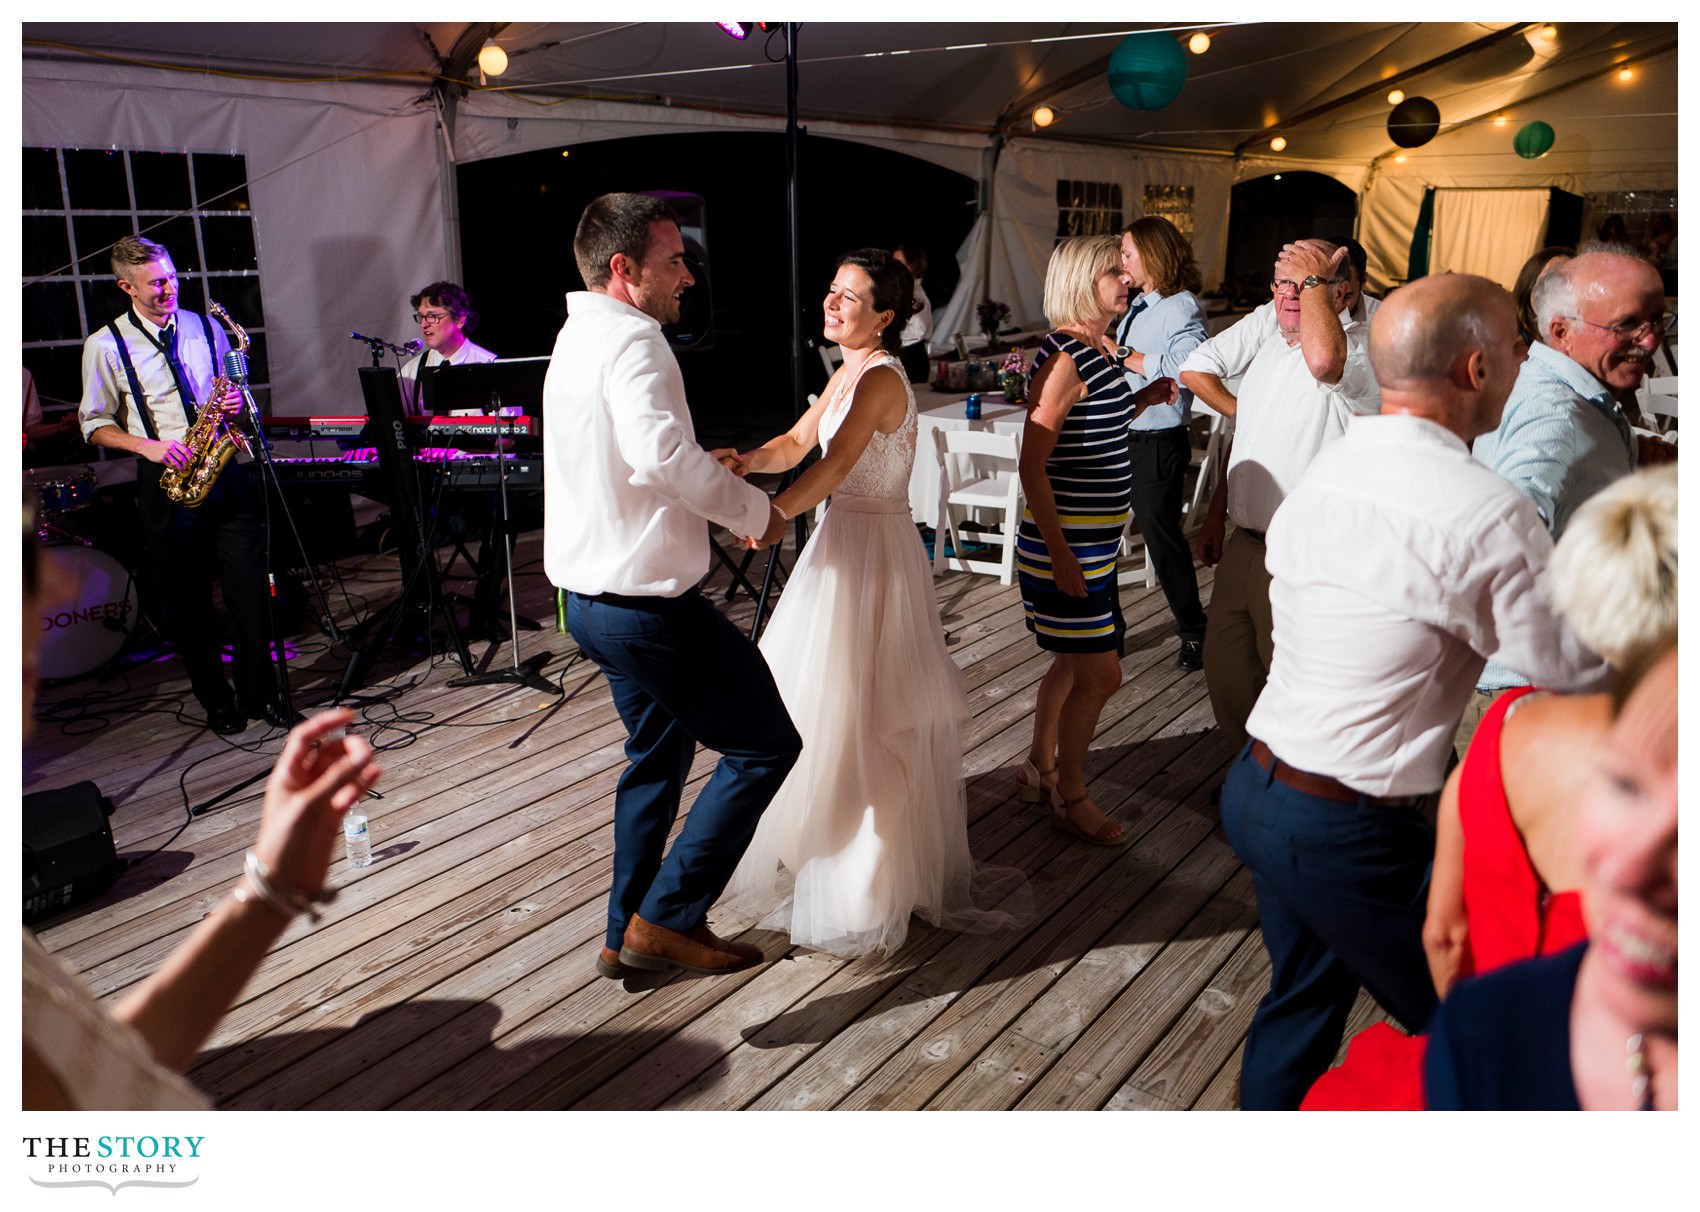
(919,325)
(468,353)
(1284,415)
(626,486)
(1397,565)
(107,399)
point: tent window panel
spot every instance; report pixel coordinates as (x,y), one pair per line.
(1625,214)
(162,179)
(1171,202)
(1088,208)
(96,180)
(79,201)
(42,190)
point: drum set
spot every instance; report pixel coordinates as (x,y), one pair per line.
(82,633)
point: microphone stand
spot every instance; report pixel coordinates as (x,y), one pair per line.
(523,673)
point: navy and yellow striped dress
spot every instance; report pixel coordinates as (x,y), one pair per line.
(1092,481)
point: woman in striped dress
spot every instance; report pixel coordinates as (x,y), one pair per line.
(1077,480)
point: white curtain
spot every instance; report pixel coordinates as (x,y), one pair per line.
(1490,232)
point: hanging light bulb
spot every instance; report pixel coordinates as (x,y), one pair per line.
(1626,74)
(1547,33)
(1396,96)
(1278,143)
(492,59)
(1500,120)
(1044,116)
(1198,43)
(1400,158)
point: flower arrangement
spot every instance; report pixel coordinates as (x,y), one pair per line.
(991,315)
(1012,377)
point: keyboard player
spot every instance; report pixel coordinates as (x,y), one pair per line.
(445,318)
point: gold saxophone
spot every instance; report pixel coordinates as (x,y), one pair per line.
(211,440)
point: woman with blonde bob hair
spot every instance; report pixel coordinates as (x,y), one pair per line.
(1508,865)
(1076,478)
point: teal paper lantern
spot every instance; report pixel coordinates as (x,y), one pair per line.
(1534,140)
(1147,70)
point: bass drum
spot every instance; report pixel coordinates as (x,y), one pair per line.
(81,634)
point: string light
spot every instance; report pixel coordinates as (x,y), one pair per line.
(1626,74)
(492,59)
(1044,116)
(1547,33)
(1396,96)
(1500,120)
(1278,143)
(1400,158)
(1198,43)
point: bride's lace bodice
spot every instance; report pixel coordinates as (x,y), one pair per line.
(883,470)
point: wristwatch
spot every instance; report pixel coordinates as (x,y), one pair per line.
(1122,353)
(1310,281)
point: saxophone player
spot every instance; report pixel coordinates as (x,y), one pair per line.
(144,375)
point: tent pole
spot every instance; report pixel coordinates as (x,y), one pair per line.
(794,259)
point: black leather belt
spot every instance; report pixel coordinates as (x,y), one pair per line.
(1147,435)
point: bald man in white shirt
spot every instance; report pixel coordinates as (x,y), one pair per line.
(628,497)
(1397,565)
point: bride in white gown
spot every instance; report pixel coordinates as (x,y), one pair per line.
(871,824)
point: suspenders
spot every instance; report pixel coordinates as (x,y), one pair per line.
(143,411)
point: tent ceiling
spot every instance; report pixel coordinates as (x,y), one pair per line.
(1322,85)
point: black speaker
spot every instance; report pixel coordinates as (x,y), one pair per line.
(695,329)
(68,852)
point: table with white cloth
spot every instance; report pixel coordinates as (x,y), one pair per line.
(996,416)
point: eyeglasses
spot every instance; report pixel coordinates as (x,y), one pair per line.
(432,317)
(1660,324)
(1286,286)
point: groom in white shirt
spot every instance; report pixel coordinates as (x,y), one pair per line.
(628,490)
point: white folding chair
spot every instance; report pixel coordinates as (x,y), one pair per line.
(831,356)
(1208,462)
(1656,398)
(978,473)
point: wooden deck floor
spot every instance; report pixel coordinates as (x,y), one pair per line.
(456,972)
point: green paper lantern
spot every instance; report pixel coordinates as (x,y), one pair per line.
(1147,70)
(1534,140)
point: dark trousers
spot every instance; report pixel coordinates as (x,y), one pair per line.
(1341,893)
(913,358)
(1160,458)
(186,547)
(681,674)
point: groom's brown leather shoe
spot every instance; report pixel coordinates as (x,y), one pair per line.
(659,949)
(609,965)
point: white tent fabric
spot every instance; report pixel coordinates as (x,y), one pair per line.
(1490,232)
(348,200)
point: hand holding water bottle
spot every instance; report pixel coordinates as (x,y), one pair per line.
(321,775)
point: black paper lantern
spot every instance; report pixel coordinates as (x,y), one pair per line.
(1413,122)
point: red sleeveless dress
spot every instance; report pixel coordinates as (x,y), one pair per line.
(1511,917)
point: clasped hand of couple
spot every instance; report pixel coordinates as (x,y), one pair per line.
(739,466)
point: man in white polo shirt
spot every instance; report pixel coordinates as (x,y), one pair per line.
(1398,563)
(1303,378)
(628,497)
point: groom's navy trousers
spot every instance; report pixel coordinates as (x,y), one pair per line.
(682,674)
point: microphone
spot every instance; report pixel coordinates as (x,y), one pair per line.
(408,350)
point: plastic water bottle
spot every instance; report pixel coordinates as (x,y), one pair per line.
(358,835)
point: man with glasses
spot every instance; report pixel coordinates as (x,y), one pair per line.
(1301,381)
(445,317)
(1563,435)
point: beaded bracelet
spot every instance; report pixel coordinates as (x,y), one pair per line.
(257,885)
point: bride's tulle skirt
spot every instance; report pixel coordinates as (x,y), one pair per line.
(871,824)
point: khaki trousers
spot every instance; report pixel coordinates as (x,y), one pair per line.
(1239,638)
